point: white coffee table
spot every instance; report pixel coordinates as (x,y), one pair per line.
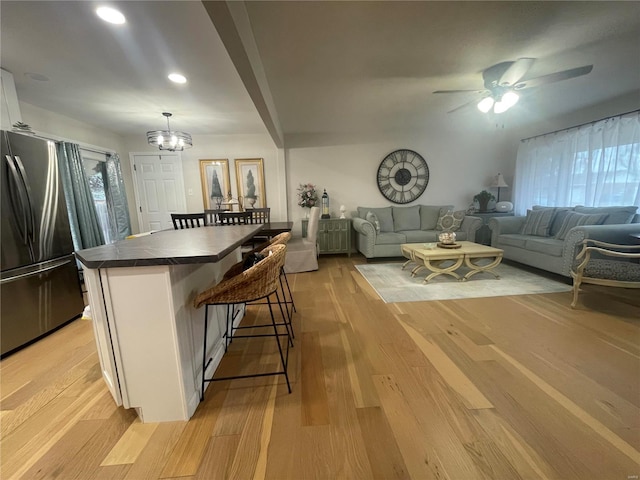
(437,260)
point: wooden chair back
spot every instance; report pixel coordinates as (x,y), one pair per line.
(260,215)
(188,220)
(235,218)
(213,216)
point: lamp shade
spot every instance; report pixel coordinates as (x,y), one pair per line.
(498,181)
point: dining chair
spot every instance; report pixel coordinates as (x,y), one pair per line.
(260,215)
(213,216)
(302,253)
(188,220)
(235,218)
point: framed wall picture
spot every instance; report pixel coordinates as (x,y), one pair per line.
(250,181)
(216,183)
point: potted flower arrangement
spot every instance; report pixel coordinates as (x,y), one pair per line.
(307,196)
(483,198)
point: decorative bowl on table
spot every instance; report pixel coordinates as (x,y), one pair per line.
(447,238)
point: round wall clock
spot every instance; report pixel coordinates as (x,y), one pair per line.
(403,176)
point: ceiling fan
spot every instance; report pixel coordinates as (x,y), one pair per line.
(503,80)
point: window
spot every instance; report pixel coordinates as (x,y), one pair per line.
(595,165)
(94,168)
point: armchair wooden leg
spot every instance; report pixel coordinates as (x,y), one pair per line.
(576,290)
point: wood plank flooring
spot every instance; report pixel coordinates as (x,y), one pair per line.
(517,387)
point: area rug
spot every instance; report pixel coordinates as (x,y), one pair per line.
(396,285)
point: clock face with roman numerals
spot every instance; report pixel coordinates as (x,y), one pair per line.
(403,176)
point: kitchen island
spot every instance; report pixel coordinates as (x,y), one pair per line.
(148,335)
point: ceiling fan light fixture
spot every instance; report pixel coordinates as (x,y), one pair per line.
(508,100)
(168,139)
(485,104)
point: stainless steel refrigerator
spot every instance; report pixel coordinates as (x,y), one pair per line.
(39,282)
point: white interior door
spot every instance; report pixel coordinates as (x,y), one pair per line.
(159,189)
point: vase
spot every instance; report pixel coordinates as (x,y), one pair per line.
(251,201)
(306,213)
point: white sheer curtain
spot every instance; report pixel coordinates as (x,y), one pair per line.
(594,165)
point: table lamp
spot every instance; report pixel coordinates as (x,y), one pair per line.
(498,182)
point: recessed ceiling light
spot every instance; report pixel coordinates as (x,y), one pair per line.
(111,15)
(37,76)
(177,78)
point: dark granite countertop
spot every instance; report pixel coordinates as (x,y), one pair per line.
(170,247)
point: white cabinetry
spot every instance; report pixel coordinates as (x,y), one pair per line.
(149,336)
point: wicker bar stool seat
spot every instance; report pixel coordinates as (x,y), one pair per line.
(256,283)
(280,239)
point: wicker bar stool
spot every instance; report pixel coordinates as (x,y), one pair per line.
(280,239)
(256,283)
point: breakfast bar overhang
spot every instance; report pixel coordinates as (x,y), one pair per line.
(148,335)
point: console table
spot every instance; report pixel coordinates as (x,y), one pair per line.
(483,235)
(334,235)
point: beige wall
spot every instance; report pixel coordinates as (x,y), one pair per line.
(47,122)
(230,147)
(461,163)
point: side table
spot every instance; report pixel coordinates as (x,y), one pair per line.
(334,235)
(483,235)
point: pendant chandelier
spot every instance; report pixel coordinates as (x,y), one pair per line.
(169,140)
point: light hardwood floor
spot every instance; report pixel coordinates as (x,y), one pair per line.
(488,388)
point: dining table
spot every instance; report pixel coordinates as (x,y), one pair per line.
(271,229)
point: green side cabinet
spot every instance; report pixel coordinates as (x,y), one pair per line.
(334,235)
(483,235)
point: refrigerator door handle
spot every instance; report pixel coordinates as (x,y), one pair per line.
(34,270)
(27,190)
(21,201)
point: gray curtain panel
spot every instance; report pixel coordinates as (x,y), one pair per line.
(120,222)
(85,228)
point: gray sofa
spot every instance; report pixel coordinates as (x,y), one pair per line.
(545,249)
(398,225)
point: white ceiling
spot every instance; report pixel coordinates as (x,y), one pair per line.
(330,67)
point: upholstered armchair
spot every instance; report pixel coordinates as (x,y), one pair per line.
(601,263)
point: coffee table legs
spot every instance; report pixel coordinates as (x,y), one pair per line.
(410,254)
(475,268)
(434,267)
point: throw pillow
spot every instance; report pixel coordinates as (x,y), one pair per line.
(406,218)
(538,222)
(429,215)
(573,219)
(371,217)
(616,215)
(450,220)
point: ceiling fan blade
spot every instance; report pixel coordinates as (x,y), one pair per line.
(457,91)
(554,77)
(516,71)
(464,105)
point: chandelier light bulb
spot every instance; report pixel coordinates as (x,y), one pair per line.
(168,139)
(485,104)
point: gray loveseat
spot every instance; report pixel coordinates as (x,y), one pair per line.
(399,225)
(545,245)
